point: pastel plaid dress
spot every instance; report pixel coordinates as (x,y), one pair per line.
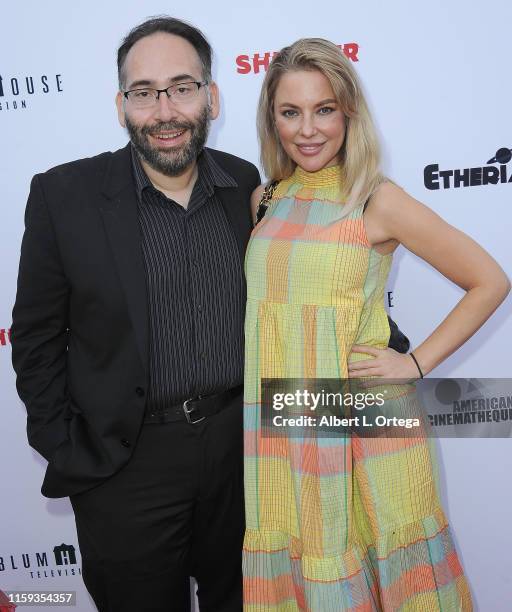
(340,523)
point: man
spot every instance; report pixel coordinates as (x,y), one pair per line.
(127,337)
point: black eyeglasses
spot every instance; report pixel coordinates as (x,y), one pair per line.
(179,93)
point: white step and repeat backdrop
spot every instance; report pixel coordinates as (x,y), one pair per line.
(437,76)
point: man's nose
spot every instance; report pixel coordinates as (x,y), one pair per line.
(165,108)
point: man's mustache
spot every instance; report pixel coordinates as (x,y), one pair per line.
(166,126)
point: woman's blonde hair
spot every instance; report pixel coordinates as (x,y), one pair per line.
(359,156)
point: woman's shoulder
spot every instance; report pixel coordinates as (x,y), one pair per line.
(387,191)
(388,199)
(258,192)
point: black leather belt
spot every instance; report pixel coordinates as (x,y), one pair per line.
(195,409)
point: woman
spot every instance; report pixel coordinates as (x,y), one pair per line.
(343,523)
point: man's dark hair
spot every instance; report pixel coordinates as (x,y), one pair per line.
(169,25)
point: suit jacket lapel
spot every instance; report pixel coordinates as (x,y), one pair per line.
(239,216)
(120,217)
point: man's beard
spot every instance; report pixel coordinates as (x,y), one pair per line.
(171,162)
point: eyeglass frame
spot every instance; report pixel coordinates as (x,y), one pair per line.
(166,89)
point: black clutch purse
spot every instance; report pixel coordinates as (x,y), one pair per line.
(397,339)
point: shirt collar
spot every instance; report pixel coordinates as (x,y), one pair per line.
(210,173)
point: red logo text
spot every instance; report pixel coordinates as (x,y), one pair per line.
(5,337)
(246,64)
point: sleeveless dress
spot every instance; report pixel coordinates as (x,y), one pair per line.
(345,523)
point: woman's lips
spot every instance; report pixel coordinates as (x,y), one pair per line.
(310,148)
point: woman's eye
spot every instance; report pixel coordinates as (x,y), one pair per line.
(326,110)
(289,113)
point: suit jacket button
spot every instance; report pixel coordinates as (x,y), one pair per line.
(126,442)
(139,391)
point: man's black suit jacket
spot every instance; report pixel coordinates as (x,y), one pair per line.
(80,321)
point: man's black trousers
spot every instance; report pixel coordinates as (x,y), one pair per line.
(174,511)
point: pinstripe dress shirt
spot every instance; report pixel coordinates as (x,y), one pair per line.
(195,288)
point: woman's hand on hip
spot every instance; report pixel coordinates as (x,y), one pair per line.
(385,363)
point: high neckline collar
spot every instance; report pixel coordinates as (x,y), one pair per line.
(325,177)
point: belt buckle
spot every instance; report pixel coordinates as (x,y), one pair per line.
(187,411)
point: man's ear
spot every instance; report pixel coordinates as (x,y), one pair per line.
(214,99)
(120,108)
